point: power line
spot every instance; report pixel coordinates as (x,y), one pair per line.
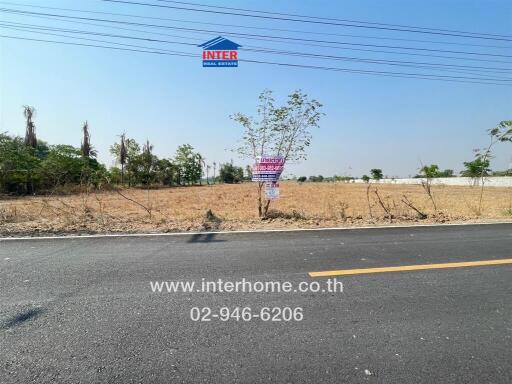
(369,61)
(21,26)
(433,66)
(253,27)
(460,79)
(116,27)
(31,29)
(479,36)
(329,18)
(285,38)
(184,54)
(112,42)
(355,71)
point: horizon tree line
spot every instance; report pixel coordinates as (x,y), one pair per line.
(29,165)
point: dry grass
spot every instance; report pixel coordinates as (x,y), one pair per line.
(230,207)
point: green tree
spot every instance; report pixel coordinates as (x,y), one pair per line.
(201,164)
(189,164)
(316,179)
(281,131)
(142,168)
(429,171)
(125,151)
(302,179)
(366,178)
(90,166)
(230,173)
(507,172)
(19,165)
(114,175)
(63,166)
(147,173)
(476,168)
(165,172)
(446,173)
(499,134)
(376,173)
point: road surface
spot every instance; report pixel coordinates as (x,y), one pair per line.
(82,310)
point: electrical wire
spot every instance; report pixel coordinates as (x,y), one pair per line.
(327,18)
(309,32)
(460,79)
(434,66)
(473,36)
(279,38)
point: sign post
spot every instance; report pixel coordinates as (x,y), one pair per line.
(268,169)
(272,191)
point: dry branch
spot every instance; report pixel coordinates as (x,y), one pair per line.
(386,209)
(368,200)
(148,210)
(407,202)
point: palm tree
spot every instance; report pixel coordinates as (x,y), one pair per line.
(30,132)
(86,147)
(201,165)
(123,155)
(207,172)
(147,148)
(248,169)
(147,152)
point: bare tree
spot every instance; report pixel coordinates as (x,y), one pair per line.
(368,199)
(30,131)
(280,131)
(410,204)
(429,171)
(501,133)
(385,207)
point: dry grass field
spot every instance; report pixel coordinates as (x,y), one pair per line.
(308,205)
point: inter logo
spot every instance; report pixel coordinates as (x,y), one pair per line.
(220,52)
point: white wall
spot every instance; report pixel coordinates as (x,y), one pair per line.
(505,181)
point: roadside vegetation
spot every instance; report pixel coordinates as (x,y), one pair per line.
(70,190)
(30,166)
(231,207)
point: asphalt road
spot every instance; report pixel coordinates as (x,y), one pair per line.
(82,310)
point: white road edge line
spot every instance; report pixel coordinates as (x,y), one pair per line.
(93,236)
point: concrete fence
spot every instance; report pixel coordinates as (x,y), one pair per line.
(505,181)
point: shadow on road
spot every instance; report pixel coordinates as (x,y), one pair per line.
(21,318)
(204,238)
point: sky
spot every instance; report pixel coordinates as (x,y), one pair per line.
(391,123)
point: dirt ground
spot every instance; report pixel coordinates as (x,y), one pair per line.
(233,207)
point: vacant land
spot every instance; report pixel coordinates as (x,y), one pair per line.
(232,207)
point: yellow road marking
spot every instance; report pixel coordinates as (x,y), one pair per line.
(342,272)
